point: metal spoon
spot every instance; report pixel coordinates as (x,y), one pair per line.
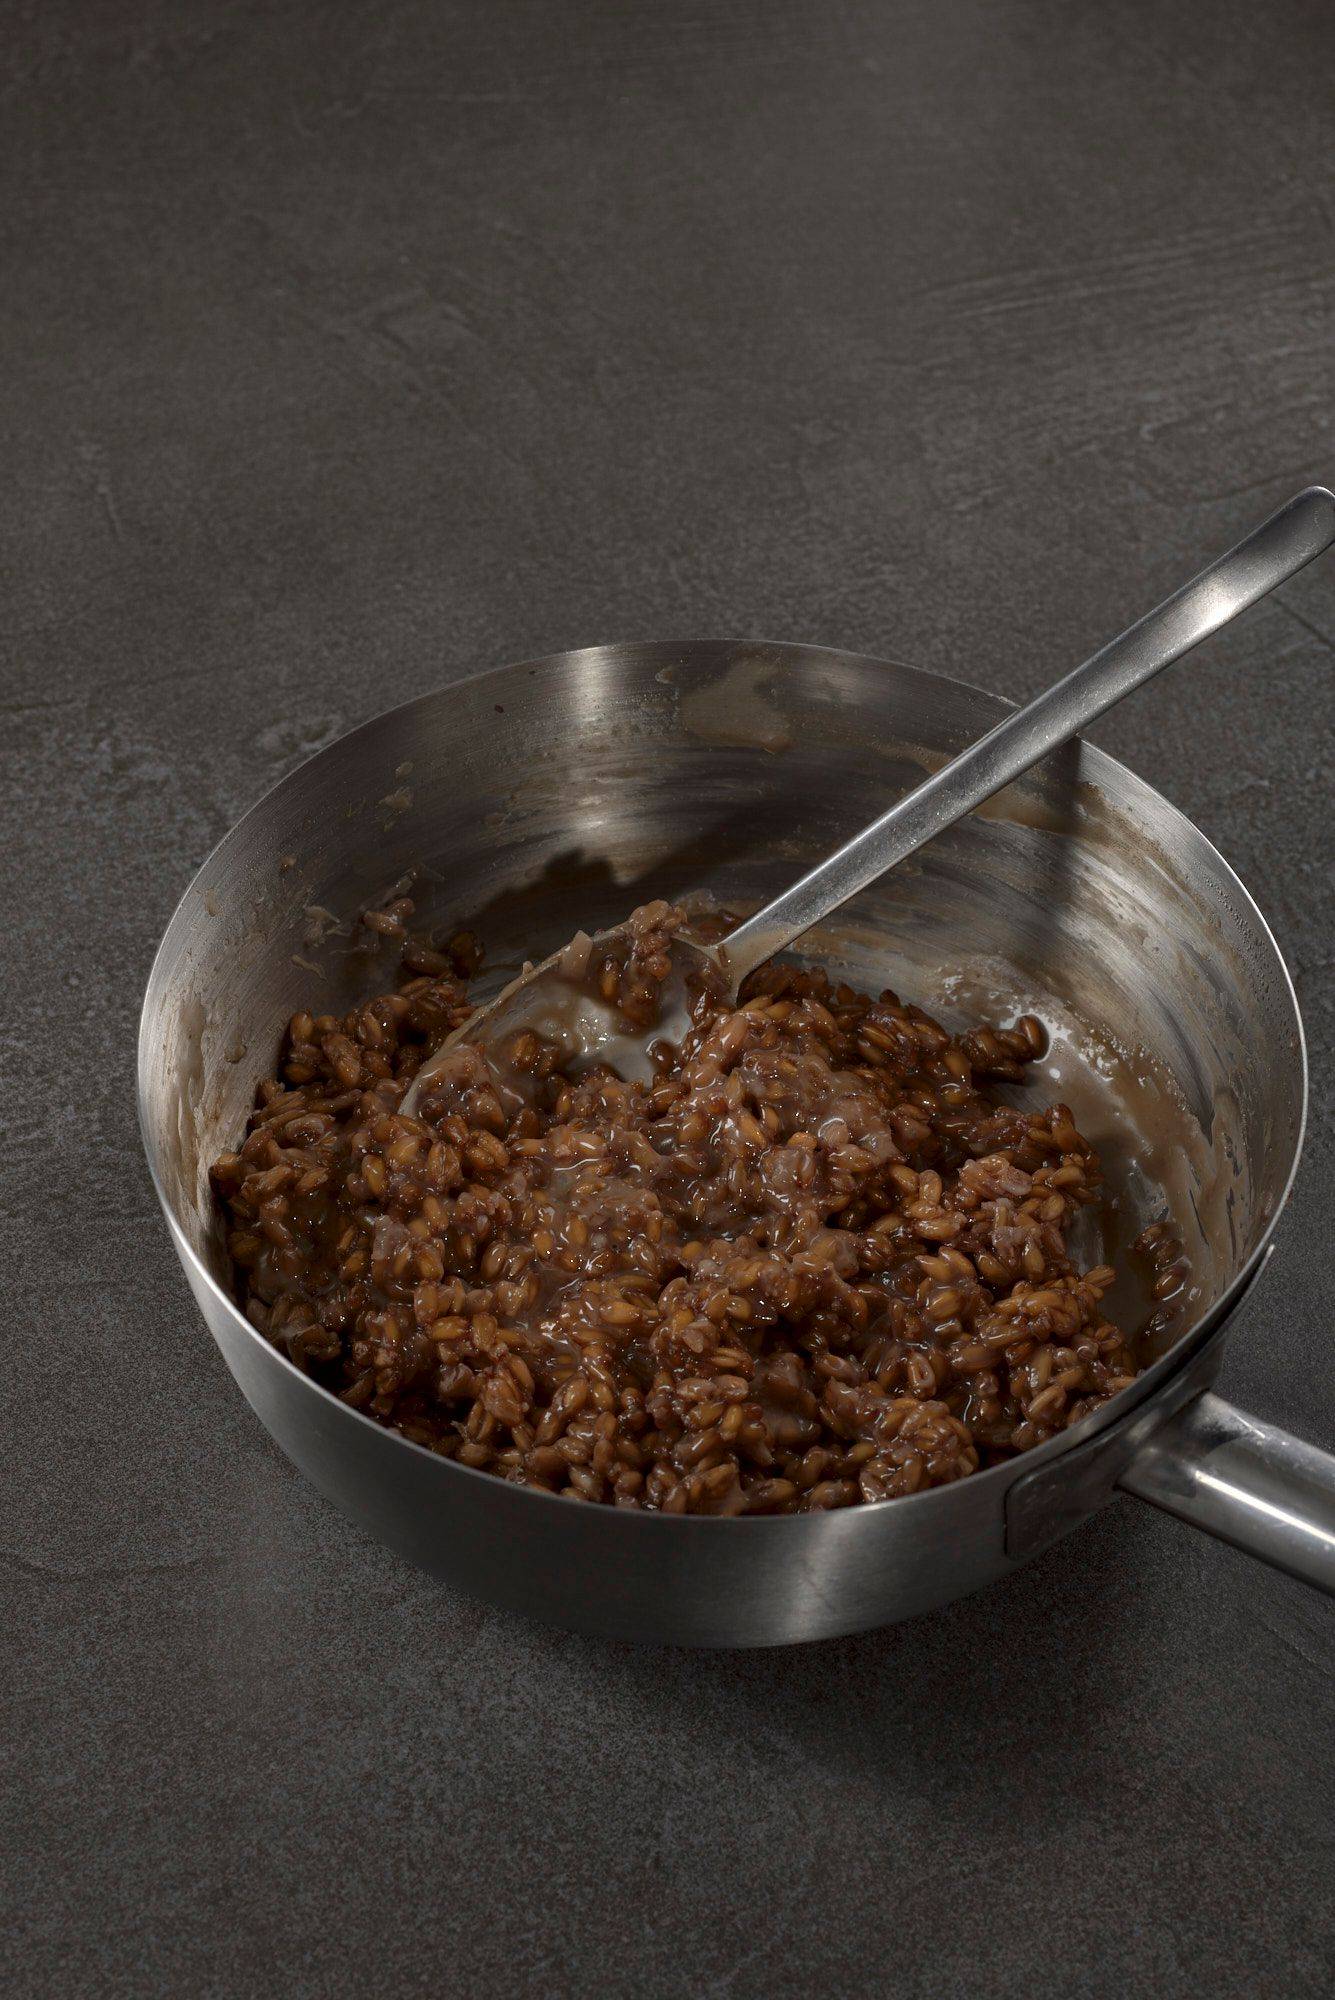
(548,999)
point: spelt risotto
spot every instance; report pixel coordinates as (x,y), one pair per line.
(818,1260)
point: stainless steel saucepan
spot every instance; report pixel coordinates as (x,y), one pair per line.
(541,798)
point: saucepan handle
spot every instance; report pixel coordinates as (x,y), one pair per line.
(1244,1481)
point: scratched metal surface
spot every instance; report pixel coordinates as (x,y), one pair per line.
(342,350)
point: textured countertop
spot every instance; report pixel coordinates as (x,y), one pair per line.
(345,349)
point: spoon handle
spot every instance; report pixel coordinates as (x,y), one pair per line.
(1280,546)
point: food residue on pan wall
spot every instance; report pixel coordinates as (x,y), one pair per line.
(395,805)
(738,708)
(321,924)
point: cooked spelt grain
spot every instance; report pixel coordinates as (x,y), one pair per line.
(814,1262)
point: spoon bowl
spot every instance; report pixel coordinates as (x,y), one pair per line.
(560,1003)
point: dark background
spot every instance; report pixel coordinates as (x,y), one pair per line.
(343,348)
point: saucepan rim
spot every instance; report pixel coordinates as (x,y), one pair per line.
(992,1478)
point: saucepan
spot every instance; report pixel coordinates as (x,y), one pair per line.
(537,799)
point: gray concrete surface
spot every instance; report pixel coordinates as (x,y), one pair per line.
(342,349)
